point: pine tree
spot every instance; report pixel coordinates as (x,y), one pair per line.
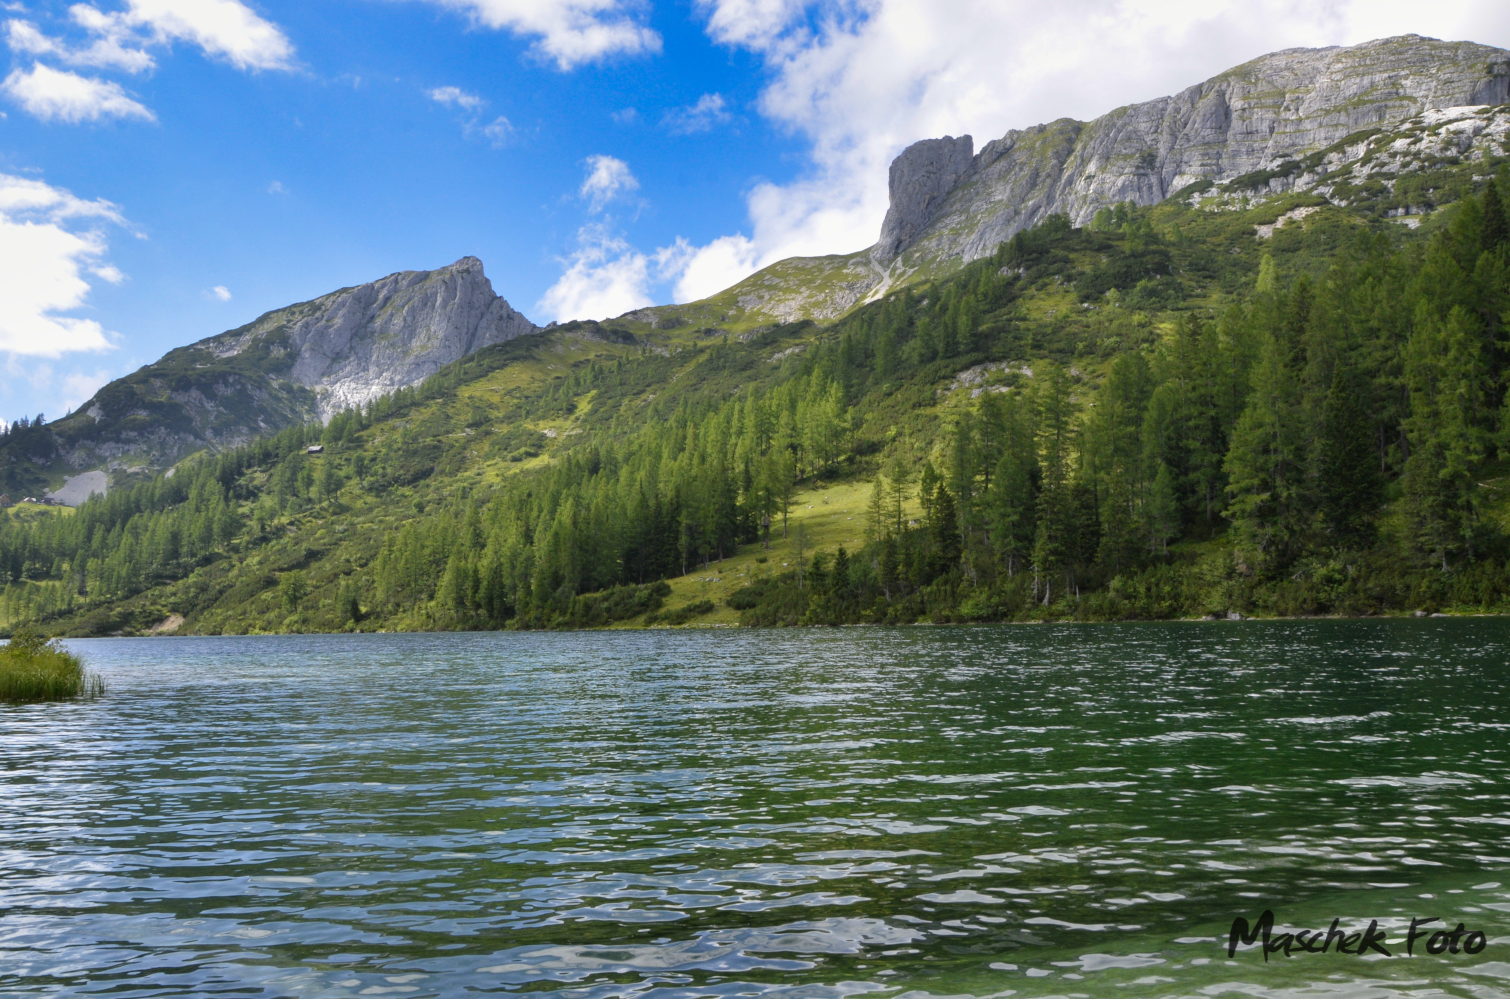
(1161,511)
(943,528)
(1449,428)
(1265,465)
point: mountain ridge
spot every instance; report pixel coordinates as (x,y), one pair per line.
(304,361)
(950,204)
(1298,120)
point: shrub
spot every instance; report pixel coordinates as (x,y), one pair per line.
(681,615)
(34,669)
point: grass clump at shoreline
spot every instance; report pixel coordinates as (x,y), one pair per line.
(35,669)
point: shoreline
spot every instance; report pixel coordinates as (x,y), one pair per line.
(711,626)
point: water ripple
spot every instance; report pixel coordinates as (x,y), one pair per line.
(1042,810)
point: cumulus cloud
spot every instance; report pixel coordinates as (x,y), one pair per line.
(60,95)
(862,79)
(220,293)
(119,40)
(567,32)
(709,112)
(455,96)
(707,270)
(756,24)
(43,254)
(224,29)
(607,277)
(607,178)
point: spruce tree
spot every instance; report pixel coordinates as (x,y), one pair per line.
(1265,465)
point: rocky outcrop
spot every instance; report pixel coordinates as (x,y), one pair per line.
(351,346)
(921,178)
(1252,118)
(303,362)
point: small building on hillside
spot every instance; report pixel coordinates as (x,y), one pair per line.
(315,449)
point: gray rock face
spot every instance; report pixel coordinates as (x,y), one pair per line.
(1251,118)
(289,366)
(356,344)
(921,178)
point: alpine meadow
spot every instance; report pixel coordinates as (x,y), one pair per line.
(1276,406)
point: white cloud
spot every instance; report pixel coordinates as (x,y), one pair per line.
(41,257)
(220,293)
(756,24)
(58,95)
(276,187)
(24,197)
(499,131)
(709,112)
(607,178)
(568,32)
(625,116)
(108,272)
(224,29)
(712,268)
(113,49)
(862,79)
(605,277)
(450,96)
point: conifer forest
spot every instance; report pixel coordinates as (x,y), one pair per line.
(1158,415)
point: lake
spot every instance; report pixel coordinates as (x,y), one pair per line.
(1017,810)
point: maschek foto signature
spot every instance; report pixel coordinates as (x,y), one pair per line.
(1435,941)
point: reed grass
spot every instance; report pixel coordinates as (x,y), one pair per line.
(34,669)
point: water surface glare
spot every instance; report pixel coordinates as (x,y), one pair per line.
(1015,810)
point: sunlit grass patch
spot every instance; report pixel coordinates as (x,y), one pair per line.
(33,669)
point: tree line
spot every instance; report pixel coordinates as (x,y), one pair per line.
(1328,440)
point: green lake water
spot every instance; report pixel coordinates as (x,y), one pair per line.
(1018,810)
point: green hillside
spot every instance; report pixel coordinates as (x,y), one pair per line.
(1163,414)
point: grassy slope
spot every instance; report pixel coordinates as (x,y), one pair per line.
(1215,254)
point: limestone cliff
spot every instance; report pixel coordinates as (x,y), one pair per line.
(290,365)
(356,344)
(1255,117)
(1297,119)
(921,178)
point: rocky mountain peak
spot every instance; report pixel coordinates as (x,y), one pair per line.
(356,344)
(295,364)
(949,206)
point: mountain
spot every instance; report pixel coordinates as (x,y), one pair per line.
(1280,389)
(1253,126)
(1366,126)
(299,363)
(1285,407)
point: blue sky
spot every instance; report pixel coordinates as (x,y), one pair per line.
(173,168)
